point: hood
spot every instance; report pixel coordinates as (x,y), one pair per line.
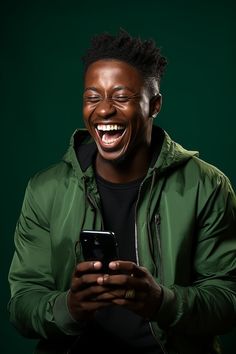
(167,154)
(172,154)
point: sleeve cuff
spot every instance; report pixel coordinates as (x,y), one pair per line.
(167,312)
(63,317)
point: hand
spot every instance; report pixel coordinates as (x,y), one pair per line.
(132,287)
(84,291)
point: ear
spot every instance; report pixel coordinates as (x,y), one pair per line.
(155,105)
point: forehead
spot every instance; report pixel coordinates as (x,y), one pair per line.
(113,72)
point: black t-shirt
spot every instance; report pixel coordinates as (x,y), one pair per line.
(118,209)
(118,326)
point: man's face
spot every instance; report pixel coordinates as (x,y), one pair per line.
(116,108)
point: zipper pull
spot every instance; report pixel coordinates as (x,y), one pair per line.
(157,219)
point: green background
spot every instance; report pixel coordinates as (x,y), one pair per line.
(41,84)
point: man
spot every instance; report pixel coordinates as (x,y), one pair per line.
(173,288)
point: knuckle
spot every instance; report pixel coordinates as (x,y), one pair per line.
(82,306)
(83,279)
(126,279)
(143,269)
(94,289)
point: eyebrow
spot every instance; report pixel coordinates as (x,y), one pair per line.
(117,88)
(90,88)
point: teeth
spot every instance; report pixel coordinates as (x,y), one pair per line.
(108,140)
(108,127)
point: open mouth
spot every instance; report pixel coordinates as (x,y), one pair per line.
(110,134)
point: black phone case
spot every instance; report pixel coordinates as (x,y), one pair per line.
(99,246)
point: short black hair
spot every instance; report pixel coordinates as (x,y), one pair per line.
(144,55)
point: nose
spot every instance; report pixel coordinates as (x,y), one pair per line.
(105,108)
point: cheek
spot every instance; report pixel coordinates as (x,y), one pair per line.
(139,116)
(85,110)
(86,114)
(132,112)
(88,110)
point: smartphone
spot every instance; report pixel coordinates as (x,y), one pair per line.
(99,246)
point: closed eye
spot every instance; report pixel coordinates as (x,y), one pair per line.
(125,98)
(121,98)
(93,99)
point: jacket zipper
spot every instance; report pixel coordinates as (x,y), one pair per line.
(94,204)
(157,220)
(135,215)
(92,201)
(148,224)
(157,223)
(135,225)
(137,260)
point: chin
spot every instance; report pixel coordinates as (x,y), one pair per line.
(116,158)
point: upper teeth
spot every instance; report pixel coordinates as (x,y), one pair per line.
(108,127)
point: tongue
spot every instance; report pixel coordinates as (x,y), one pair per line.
(110,137)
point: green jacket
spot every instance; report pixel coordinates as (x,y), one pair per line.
(185,236)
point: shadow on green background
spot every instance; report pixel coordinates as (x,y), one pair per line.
(41,46)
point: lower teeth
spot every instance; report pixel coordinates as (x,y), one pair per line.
(108,140)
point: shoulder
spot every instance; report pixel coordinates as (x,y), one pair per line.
(46,184)
(45,187)
(203,172)
(210,184)
(51,176)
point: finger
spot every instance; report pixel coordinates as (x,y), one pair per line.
(79,283)
(110,295)
(92,292)
(120,280)
(128,268)
(123,281)
(125,267)
(87,267)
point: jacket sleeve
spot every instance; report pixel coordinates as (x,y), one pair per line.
(208,306)
(33,289)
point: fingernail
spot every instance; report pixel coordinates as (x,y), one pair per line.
(100,280)
(97,265)
(113,265)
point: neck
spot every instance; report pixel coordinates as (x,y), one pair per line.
(133,167)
